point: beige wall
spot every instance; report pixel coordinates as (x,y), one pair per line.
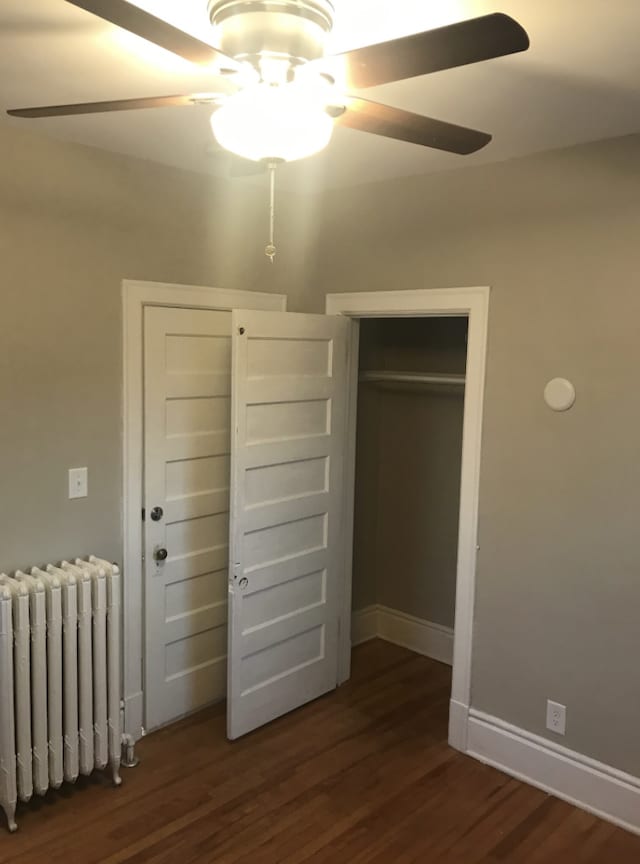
(556,236)
(419,498)
(74,222)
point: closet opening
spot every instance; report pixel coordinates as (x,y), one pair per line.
(411,394)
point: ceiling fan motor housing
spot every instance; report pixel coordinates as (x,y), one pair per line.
(292,30)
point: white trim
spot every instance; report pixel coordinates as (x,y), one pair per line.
(135,296)
(458,725)
(474,303)
(408,304)
(423,637)
(364,625)
(593,786)
(416,634)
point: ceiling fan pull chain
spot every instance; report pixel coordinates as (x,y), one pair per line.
(270,249)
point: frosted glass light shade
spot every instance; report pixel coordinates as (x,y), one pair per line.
(271,122)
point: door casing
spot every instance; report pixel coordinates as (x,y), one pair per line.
(474,304)
(135,296)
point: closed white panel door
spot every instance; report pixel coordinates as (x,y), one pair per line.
(187,439)
(288,418)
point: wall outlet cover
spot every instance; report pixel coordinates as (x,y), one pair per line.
(556,717)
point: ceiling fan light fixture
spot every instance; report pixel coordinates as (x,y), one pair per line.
(292,29)
(274,123)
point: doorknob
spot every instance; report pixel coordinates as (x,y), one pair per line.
(160,554)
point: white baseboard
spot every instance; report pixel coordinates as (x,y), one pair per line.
(423,637)
(418,635)
(590,785)
(364,625)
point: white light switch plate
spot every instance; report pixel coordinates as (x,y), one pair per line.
(78,483)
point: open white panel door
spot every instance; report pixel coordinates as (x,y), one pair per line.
(288,441)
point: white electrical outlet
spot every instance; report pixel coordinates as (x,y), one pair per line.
(556,717)
(78,483)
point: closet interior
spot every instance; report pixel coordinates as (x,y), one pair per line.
(407,491)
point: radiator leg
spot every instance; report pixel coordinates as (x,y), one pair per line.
(115,771)
(10,811)
(130,760)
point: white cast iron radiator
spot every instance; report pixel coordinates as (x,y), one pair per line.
(60,677)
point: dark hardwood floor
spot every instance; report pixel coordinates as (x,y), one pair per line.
(362,776)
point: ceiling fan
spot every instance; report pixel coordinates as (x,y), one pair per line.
(279,96)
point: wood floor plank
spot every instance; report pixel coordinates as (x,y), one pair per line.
(363,775)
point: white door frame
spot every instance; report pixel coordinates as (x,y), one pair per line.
(135,296)
(474,303)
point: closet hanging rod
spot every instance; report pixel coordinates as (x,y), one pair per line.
(373,377)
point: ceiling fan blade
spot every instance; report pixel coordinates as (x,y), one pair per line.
(367,116)
(116,105)
(494,35)
(141,23)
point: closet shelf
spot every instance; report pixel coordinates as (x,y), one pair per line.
(382,377)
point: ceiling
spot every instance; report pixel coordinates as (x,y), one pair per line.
(579,81)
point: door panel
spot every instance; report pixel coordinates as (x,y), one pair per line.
(187,442)
(288,419)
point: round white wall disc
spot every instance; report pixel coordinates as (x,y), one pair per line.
(559,394)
